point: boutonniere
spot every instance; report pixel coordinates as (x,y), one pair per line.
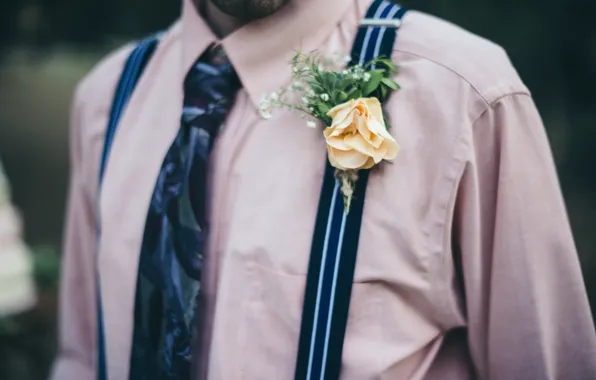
(348,102)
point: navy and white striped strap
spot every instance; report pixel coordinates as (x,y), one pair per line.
(133,68)
(335,241)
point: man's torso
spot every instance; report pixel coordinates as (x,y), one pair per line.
(265,181)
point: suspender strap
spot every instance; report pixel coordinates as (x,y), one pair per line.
(335,241)
(133,68)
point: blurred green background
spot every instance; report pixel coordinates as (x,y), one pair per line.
(46,46)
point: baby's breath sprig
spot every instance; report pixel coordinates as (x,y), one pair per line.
(317,86)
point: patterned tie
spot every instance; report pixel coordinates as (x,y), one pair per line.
(172,251)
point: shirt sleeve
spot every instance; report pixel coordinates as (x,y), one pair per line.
(527,311)
(77,320)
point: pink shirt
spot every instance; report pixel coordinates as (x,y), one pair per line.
(466,267)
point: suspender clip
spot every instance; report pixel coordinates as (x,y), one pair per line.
(370,22)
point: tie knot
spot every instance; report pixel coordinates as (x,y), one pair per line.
(216,55)
(212,77)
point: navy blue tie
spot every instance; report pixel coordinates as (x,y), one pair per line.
(171,258)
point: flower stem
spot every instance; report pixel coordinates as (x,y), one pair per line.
(347,179)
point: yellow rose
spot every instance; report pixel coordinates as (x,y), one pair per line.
(357,137)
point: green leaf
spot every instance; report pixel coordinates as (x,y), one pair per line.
(390,83)
(329,79)
(342,97)
(316,87)
(384,93)
(345,82)
(334,95)
(354,93)
(388,64)
(323,108)
(325,119)
(373,83)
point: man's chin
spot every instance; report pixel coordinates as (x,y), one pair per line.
(249,10)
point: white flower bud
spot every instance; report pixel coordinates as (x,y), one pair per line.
(265,114)
(366,77)
(311,124)
(264,106)
(325,97)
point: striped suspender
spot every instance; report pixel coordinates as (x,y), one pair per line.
(133,68)
(335,241)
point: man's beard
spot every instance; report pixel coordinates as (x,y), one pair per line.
(248,10)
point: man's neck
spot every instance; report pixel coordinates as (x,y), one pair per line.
(221,23)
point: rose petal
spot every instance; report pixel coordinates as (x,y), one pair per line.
(375,109)
(361,122)
(381,130)
(341,125)
(350,159)
(332,160)
(340,111)
(370,136)
(358,143)
(376,128)
(380,154)
(392,149)
(338,143)
(368,164)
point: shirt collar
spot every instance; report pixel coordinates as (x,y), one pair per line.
(261,51)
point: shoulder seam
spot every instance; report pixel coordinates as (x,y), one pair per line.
(476,90)
(511,94)
(493,104)
(488,103)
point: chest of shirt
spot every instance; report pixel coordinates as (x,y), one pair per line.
(265,182)
(266,178)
